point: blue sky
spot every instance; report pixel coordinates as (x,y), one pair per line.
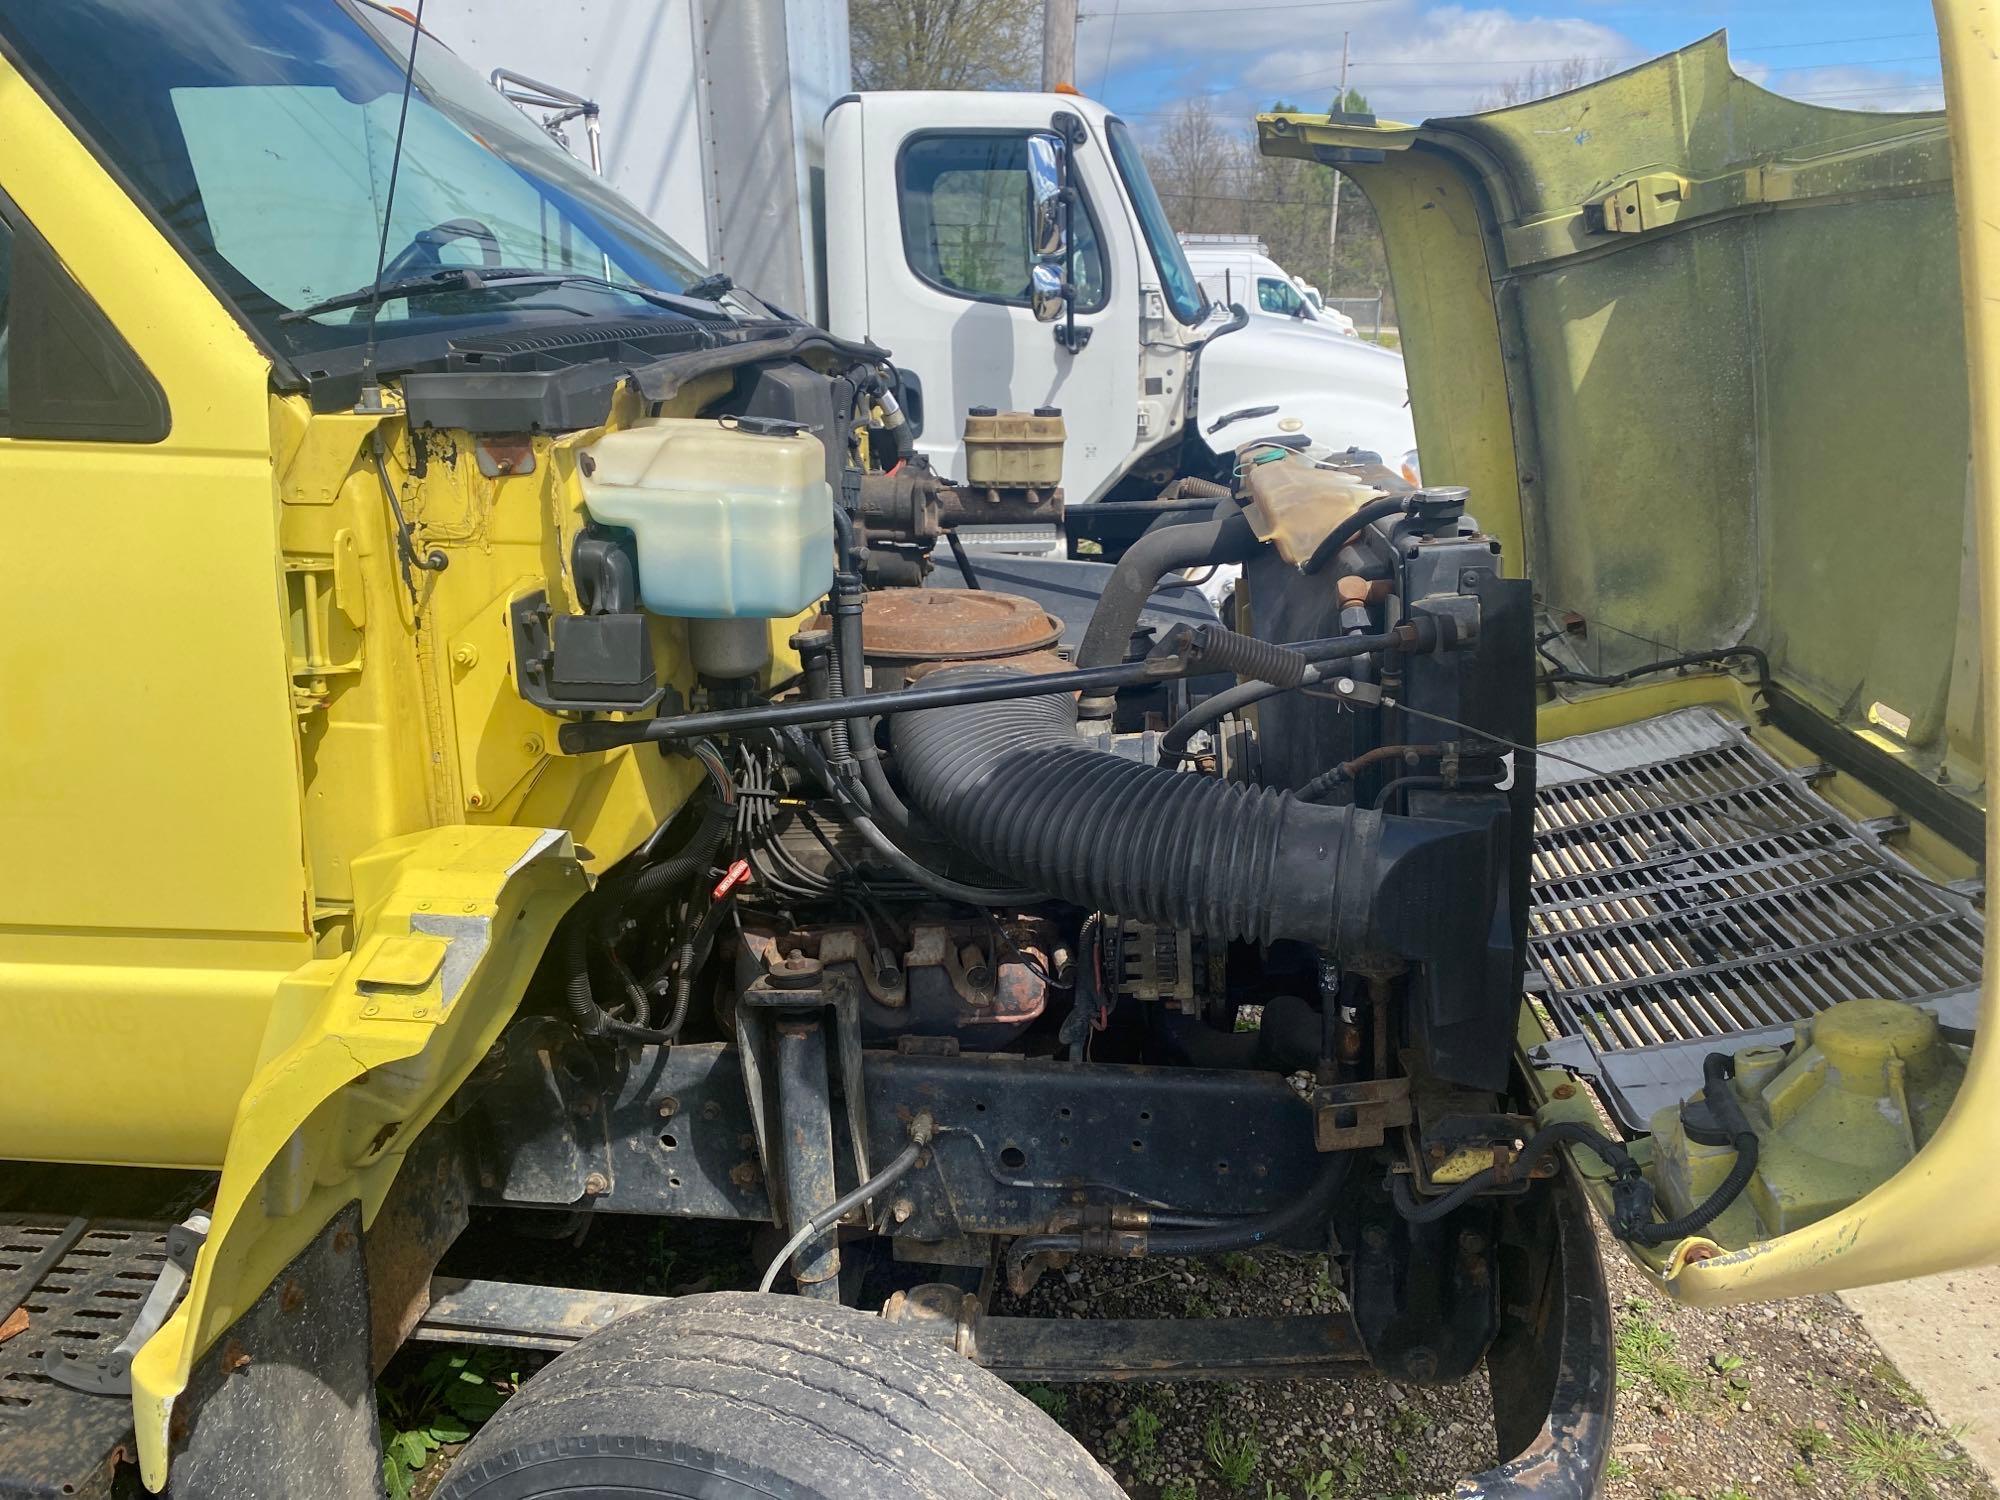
(1415,59)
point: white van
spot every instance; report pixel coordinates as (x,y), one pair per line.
(1237,268)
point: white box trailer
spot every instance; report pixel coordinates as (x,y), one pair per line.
(711,111)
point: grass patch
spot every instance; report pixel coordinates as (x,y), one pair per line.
(1911,1462)
(1048,1398)
(1234,1459)
(1142,1433)
(1646,1351)
(1179,1489)
(1891,1379)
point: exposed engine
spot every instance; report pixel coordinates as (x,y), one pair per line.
(1066,810)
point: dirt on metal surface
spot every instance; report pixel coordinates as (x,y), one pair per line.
(913,625)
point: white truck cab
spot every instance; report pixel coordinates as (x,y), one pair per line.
(929,229)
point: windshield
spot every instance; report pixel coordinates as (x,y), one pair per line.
(260,134)
(1182,292)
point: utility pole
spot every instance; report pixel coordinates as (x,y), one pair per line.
(1333,222)
(1058,43)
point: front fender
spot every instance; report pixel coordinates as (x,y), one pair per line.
(361,1052)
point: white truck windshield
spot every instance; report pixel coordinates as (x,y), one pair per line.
(1182,291)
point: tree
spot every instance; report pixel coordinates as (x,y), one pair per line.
(1211,179)
(1198,168)
(1541,80)
(945,44)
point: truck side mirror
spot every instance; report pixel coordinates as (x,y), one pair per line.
(1048,292)
(1045,189)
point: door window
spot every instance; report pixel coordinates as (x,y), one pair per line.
(965,211)
(1276,296)
(6,282)
(65,371)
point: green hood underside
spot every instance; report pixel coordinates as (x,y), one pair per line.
(1698,351)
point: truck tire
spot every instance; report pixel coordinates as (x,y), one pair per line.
(732,1395)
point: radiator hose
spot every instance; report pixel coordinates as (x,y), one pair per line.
(1014,784)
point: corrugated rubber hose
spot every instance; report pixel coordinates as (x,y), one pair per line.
(1014,784)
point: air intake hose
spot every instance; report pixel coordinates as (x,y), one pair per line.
(1013,783)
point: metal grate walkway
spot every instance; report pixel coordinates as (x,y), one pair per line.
(66,1286)
(1701,891)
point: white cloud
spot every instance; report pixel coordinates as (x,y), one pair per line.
(1412,60)
(1850,86)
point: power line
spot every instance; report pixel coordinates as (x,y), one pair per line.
(1613,57)
(1110,44)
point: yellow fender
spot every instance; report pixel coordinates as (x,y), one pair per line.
(361,1052)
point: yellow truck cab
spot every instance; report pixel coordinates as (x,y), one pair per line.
(496,720)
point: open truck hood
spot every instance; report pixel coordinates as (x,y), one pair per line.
(1698,351)
(1712,363)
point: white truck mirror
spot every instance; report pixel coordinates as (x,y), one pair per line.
(1045,189)
(1048,293)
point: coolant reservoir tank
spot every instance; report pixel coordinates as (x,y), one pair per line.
(1293,503)
(733,519)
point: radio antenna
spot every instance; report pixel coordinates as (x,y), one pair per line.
(371,392)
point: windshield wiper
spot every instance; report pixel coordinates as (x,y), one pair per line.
(431,284)
(450,279)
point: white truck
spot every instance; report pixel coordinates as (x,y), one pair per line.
(1237,268)
(906,218)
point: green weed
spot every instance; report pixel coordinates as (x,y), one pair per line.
(1646,1351)
(1911,1462)
(1234,1459)
(445,1402)
(1892,1380)
(1142,1433)
(1048,1398)
(1243,1267)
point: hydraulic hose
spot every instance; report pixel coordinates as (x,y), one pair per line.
(628,889)
(1013,783)
(831,1215)
(1632,1195)
(1347,530)
(1226,538)
(802,750)
(1174,743)
(1310,1207)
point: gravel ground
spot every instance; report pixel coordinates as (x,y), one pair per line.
(1789,1400)
(1792,1399)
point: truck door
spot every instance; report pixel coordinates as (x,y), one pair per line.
(928,254)
(153,890)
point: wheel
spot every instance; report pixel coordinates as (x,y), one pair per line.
(733,1395)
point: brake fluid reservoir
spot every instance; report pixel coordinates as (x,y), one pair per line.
(732,521)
